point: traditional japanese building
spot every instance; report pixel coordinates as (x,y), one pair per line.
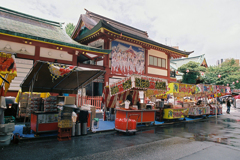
(133,52)
(31,38)
(176,63)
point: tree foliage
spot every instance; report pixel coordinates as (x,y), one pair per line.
(193,74)
(69,28)
(229,71)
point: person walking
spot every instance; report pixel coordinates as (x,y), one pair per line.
(228,105)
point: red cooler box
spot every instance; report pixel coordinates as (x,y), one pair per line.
(121,124)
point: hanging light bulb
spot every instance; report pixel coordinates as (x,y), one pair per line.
(219,76)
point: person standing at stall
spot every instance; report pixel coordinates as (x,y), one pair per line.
(228,105)
(130,97)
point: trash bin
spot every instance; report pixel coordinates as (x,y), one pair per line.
(73,129)
(83,116)
(78,129)
(84,128)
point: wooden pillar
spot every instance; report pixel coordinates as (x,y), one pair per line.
(106,62)
(168,65)
(146,61)
(37,53)
(74,59)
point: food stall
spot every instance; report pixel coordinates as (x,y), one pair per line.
(54,78)
(23,98)
(177,109)
(202,91)
(215,106)
(116,94)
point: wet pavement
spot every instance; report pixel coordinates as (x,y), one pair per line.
(215,138)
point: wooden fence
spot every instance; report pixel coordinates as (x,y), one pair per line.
(94,101)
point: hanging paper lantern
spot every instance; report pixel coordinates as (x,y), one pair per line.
(233,83)
(176,72)
(219,76)
(202,73)
(187,70)
(237,81)
(227,84)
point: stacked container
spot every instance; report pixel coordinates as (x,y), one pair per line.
(34,104)
(65,124)
(6,133)
(50,104)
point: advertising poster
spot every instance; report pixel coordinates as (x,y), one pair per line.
(127,59)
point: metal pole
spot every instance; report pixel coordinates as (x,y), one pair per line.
(82,96)
(92,89)
(216,105)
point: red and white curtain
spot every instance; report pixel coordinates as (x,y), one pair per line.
(110,101)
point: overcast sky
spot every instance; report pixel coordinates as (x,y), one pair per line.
(210,27)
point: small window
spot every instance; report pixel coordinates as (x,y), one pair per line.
(150,60)
(164,63)
(159,62)
(155,61)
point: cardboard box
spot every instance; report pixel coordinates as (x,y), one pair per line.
(24,98)
(142,105)
(186,105)
(65,123)
(23,104)
(65,100)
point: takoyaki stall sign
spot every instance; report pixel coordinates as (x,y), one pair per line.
(138,82)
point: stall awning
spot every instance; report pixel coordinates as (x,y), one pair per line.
(69,82)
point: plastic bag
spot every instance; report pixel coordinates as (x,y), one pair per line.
(74,117)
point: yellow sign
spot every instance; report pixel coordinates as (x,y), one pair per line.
(171,113)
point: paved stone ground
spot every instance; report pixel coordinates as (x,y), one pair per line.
(212,138)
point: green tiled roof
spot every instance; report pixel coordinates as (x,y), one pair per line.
(179,62)
(27,26)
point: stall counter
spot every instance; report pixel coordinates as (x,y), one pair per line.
(172,113)
(44,122)
(145,116)
(198,111)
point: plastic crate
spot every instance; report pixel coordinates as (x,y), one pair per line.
(63,138)
(9,119)
(64,132)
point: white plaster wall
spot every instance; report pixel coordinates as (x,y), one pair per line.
(14,47)
(156,71)
(55,54)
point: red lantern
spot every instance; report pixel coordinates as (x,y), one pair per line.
(227,84)
(176,72)
(187,70)
(219,76)
(237,81)
(233,82)
(202,73)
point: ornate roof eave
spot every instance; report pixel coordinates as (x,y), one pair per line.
(100,31)
(57,44)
